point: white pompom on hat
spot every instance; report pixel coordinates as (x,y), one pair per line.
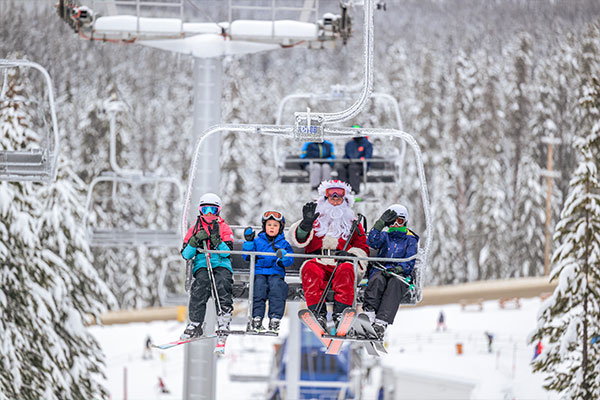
(334,183)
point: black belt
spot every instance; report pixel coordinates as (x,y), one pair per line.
(325,252)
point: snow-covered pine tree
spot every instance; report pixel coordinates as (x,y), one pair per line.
(48,286)
(569,320)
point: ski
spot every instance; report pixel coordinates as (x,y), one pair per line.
(346,320)
(364,321)
(220,347)
(361,335)
(180,342)
(309,319)
(250,332)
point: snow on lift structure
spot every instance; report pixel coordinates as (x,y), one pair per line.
(127,236)
(37,164)
(122,21)
(314,127)
(384,170)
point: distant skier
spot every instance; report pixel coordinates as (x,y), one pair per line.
(270,270)
(441,324)
(162,387)
(384,291)
(359,148)
(538,349)
(210,230)
(318,171)
(147,355)
(490,338)
(324,230)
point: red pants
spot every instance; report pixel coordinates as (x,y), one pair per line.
(314,280)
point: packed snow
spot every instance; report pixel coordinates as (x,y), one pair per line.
(414,345)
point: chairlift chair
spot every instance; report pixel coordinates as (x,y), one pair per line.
(166,295)
(123,236)
(290,168)
(36,164)
(317,127)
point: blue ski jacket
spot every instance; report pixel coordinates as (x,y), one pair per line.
(313,150)
(267,265)
(395,245)
(359,148)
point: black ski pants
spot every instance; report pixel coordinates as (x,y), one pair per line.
(273,288)
(201,291)
(352,174)
(383,295)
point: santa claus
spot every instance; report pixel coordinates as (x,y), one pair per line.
(325,229)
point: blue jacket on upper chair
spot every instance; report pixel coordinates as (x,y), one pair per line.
(267,265)
(395,245)
(359,148)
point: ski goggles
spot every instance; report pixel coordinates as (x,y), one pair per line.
(276,215)
(400,220)
(214,210)
(335,192)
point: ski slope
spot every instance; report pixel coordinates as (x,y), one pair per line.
(413,344)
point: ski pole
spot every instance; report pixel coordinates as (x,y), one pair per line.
(405,280)
(211,277)
(324,295)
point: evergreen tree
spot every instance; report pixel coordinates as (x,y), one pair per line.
(570,318)
(48,286)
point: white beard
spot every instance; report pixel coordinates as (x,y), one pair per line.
(335,221)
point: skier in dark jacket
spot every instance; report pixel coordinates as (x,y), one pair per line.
(384,291)
(359,148)
(318,171)
(269,270)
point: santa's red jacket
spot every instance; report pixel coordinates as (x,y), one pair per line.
(314,244)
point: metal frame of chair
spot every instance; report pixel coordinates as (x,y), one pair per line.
(37,165)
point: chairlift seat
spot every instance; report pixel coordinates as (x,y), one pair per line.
(25,166)
(379,172)
(133,237)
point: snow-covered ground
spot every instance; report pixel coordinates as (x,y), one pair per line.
(413,343)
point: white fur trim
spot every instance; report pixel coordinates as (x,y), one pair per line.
(292,236)
(329,242)
(362,265)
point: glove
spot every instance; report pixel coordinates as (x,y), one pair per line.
(281,253)
(215,235)
(249,234)
(386,219)
(309,216)
(198,238)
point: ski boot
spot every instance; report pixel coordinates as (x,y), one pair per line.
(256,325)
(336,322)
(223,322)
(379,328)
(274,325)
(192,330)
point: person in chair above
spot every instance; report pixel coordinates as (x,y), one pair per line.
(318,171)
(359,148)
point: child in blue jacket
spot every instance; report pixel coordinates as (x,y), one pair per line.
(385,292)
(269,274)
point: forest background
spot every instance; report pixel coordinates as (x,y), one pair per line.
(479,84)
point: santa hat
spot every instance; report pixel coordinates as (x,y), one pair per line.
(335,183)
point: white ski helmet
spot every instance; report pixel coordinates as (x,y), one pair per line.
(210,199)
(400,210)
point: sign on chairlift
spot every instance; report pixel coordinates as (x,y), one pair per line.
(308,127)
